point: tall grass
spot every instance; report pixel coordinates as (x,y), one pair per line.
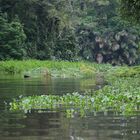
(54,67)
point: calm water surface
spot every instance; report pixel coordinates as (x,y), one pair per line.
(53,125)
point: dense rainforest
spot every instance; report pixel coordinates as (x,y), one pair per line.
(71,30)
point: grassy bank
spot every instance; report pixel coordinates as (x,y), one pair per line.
(54,68)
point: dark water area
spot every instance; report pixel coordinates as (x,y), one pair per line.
(54,125)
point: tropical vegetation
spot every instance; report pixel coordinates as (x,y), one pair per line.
(69,30)
(64,69)
(130,10)
(65,34)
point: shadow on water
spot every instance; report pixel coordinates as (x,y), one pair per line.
(53,125)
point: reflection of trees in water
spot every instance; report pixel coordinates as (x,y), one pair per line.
(42,124)
(33,125)
(130,127)
(65,85)
(107,127)
(93,83)
(53,125)
(36,86)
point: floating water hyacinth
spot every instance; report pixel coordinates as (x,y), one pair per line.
(74,101)
(119,97)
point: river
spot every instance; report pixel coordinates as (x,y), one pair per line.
(54,125)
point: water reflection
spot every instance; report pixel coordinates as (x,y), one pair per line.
(53,125)
(11,86)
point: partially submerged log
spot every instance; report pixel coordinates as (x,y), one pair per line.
(26,76)
(37,72)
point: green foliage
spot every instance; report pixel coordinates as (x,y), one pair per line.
(12,39)
(130,10)
(107,35)
(122,96)
(66,46)
(128,71)
(53,68)
(71,30)
(43,23)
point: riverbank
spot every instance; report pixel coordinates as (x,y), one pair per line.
(53,68)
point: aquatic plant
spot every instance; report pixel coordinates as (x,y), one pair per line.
(128,71)
(122,95)
(74,101)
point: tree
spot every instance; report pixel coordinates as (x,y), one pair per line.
(106,35)
(63,29)
(130,10)
(43,21)
(12,39)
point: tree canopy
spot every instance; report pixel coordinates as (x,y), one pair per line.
(12,39)
(130,9)
(69,30)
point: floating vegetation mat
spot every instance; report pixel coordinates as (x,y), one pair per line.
(128,71)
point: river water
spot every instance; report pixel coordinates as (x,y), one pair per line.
(54,125)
